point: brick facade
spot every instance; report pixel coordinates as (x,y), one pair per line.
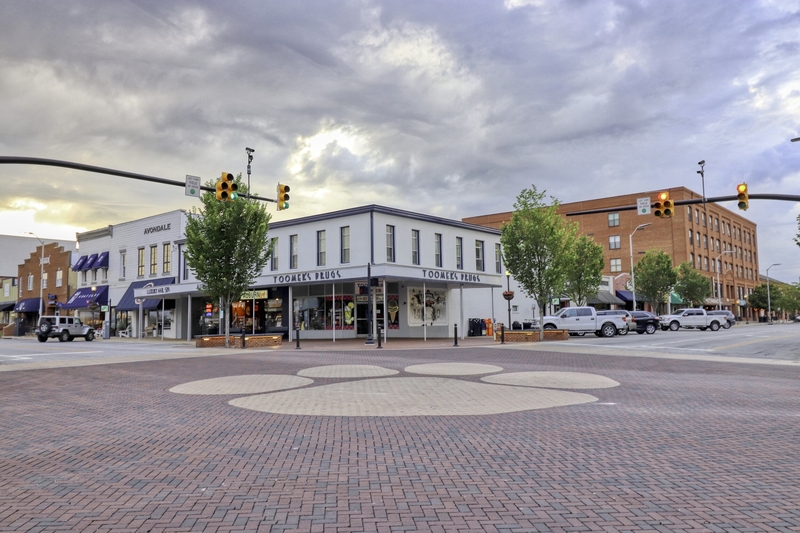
(58,262)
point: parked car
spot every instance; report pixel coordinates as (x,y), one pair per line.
(64,328)
(731,319)
(645,322)
(627,318)
(581,320)
(691,318)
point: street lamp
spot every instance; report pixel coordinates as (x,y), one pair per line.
(769,302)
(633,276)
(508,295)
(41,274)
(716,266)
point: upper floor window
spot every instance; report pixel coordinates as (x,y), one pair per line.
(696,216)
(459,253)
(704,220)
(479,265)
(140,265)
(705,241)
(616,265)
(716,224)
(153,260)
(390,244)
(691,260)
(691,237)
(613,242)
(166,259)
(689,210)
(274,257)
(6,288)
(293,260)
(30,282)
(344,239)
(185,267)
(44,280)
(122,264)
(414,246)
(437,250)
(321,248)
(498,258)
(613,219)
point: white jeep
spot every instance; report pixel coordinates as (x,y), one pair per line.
(65,328)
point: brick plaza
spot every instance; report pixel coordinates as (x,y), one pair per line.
(679,445)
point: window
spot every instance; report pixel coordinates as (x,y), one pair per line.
(94,275)
(321,248)
(459,253)
(122,264)
(705,241)
(44,280)
(479,256)
(613,219)
(140,266)
(185,267)
(716,225)
(344,239)
(613,242)
(498,258)
(691,258)
(705,263)
(84,277)
(153,260)
(696,216)
(274,258)
(389,244)
(166,259)
(698,238)
(437,250)
(699,262)
(689,210)
(718,248)
(30,282)
(616,265)
(6,289)
(704,220)
(691,237)
(293,251)
(414,246)
(105,273)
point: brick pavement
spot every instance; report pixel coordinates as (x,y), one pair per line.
(678,446)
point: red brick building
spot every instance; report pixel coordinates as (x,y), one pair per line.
(53,280)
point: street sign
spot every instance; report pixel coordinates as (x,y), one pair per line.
(643,206)
(193,186)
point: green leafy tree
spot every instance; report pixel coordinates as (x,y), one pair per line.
(226,246)
(790,301)
(692,286)
(761,298)
(655,278)
(585,270)
(537,247)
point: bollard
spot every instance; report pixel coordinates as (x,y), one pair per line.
(243,339)
(502,333)
(379,335)
(297,336)
(455,334)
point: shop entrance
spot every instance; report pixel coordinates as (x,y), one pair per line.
(362,327)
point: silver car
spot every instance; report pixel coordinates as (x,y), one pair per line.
(64,328)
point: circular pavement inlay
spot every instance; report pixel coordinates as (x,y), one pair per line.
(452,369)
(553,380)
(347,371)
(248,384)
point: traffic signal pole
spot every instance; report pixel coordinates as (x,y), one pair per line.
(713,200)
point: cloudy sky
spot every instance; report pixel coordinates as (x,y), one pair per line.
(446,108)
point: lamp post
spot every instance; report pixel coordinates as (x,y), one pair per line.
(41,274)
(716,266)
(769,302)
(93,305)
(508,295)
(630,246)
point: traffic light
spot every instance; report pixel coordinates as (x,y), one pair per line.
(744,198)
(664,207)
(283,197)
(226,188)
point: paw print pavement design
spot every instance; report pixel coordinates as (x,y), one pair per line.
(377,391)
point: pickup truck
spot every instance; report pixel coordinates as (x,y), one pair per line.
(582,320)
(691,318)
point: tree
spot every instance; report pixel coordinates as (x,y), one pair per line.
(692,286)
(585,269)
(760,298)
(537,246)
(790,301)
(226,246)
(655,277)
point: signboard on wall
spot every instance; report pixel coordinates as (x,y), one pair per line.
(430,305)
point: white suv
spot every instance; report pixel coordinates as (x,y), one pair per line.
(65,328)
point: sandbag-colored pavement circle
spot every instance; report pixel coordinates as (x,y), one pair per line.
(402,396)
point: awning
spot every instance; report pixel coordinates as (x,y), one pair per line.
(84,296)
(101,261)
(715,301)
(79,265)
(604,297)
(7,306)
(675,299)
(625,296)
(130,303)
(28,305)
(89,262)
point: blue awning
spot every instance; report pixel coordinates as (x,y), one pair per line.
(625,296)
(7,306)
(28,305)
(129,303)
(79,265)
(101,261)
(84,296)
(89,262)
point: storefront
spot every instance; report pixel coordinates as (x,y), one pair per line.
(89,303)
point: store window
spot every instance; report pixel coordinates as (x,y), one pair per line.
(153,260)
(390,244)
(613,242)
(613,219)
(344,239)
(329,306)
(140,264)
(459,253)
(437,250)
(498,258)
(321,248)
(293,260)
(415,247)
(616,265)
(166,259)
(274,258)
(479,257)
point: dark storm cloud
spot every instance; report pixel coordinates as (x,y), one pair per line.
(353,102)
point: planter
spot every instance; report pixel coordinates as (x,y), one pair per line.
(508,295)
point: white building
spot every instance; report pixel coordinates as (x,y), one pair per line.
(428,275)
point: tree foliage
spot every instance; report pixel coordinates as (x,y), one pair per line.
(790,300)
(692,286)
(584,270)
(226,246)
(537,246)
(762,298)
(655,278)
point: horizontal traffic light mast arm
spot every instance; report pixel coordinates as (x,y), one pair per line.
(14,160)
(734,198)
